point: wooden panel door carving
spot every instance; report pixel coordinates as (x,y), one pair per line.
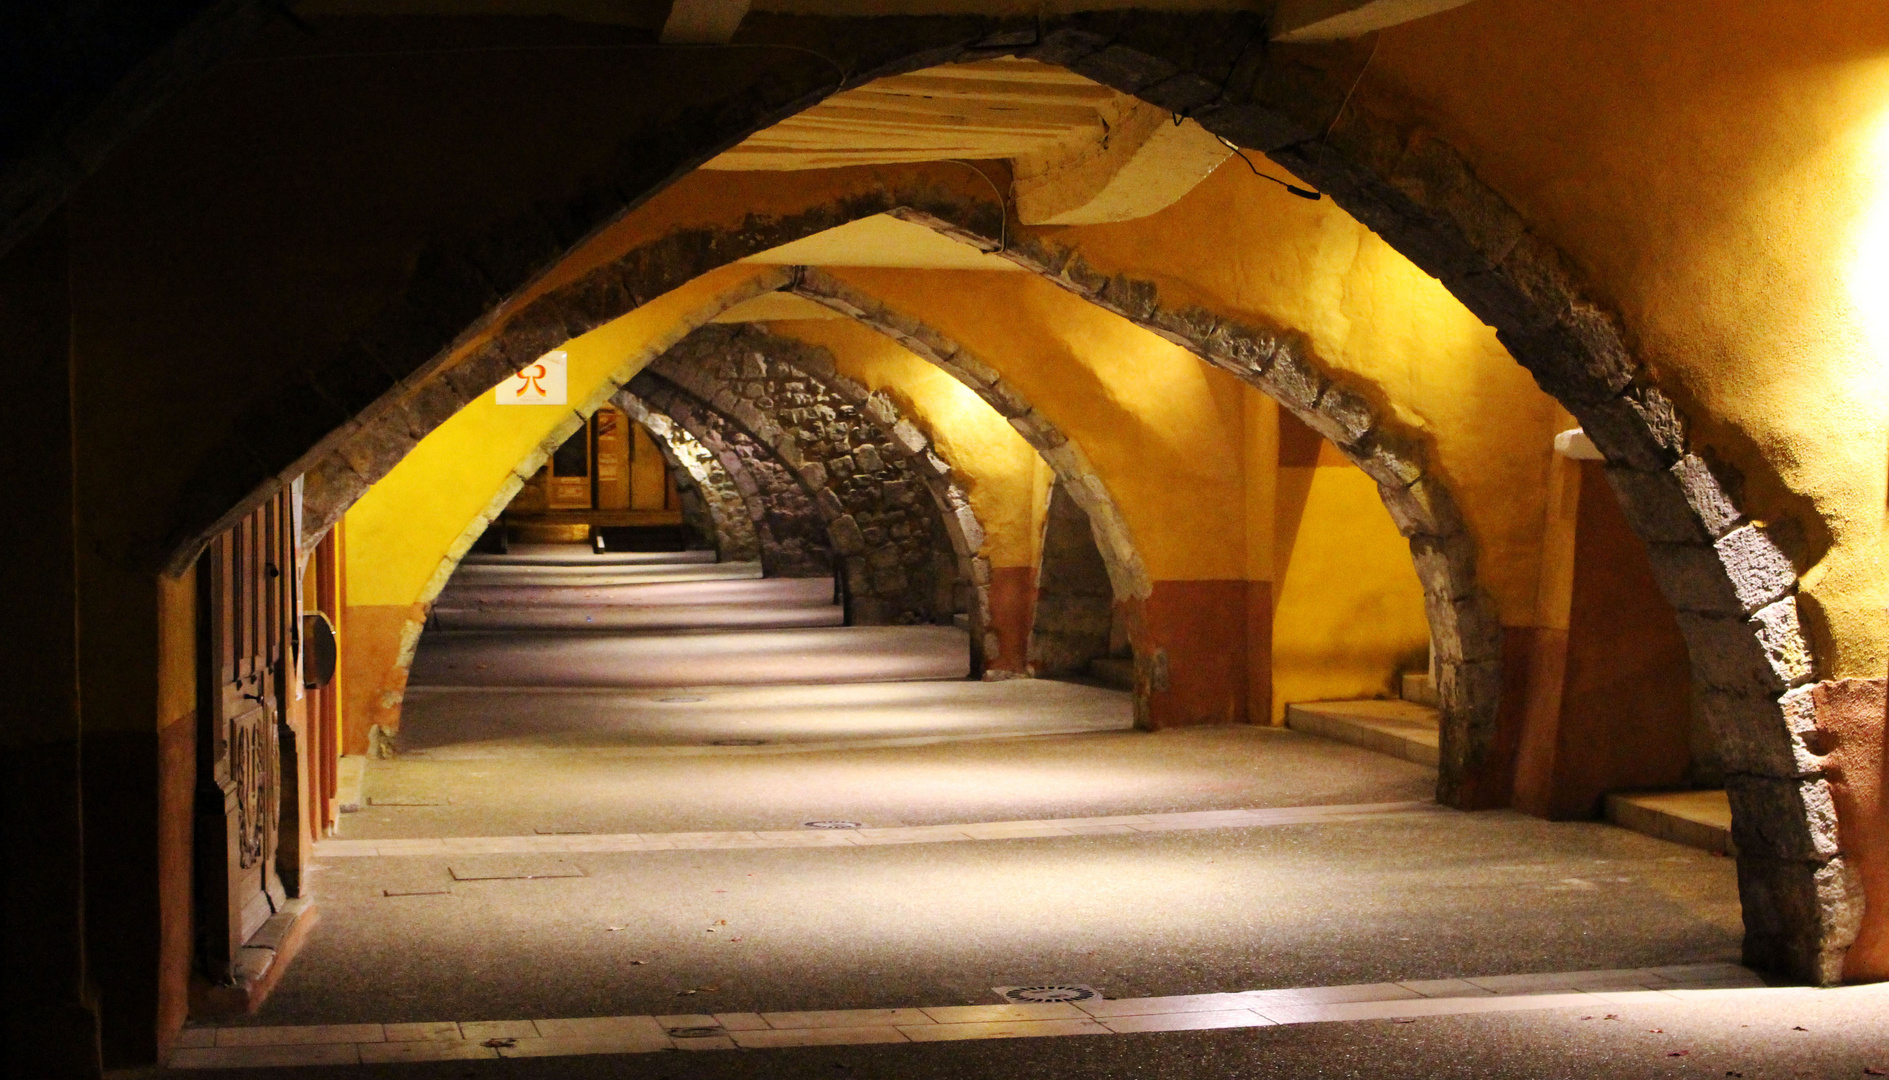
(247,605)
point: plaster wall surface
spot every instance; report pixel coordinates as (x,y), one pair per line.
(1348,609)
(1248,250)
(1160,427)
(1749,268)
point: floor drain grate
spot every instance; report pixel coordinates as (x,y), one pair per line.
(739,742)
(695,1032)
(682,699)
(1047,992)
(836,824)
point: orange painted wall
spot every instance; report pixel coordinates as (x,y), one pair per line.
(1610,693)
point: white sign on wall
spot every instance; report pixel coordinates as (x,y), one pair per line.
(541,383)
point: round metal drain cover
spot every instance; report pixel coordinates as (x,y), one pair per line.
(1038,994)
(681,699)
(833,824)
(739,742)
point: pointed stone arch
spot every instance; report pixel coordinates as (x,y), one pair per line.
(701,477)
(903,453)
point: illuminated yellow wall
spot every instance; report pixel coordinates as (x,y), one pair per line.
(1348,609)
(1724,182)
(993,463)
(1249,250)
(1162,429)
(407,532)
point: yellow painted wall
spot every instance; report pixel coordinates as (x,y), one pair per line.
(1724,182)
(407,532)
(993,463)
(1348,609)
(1249,250)
(1161,428)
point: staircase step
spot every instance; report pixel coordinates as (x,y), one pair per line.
(1418,687)
(1115,671)
(1399,728)
(639,618)
(806,592)
(577,556)
(1698,819)
(477,575)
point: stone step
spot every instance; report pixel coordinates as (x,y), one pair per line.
(1399,728)
(1115,671)
(1698,819)
(472,577)
(639,618)
(1417,687)
(575,555)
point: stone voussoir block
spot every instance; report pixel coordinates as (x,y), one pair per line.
(1432,174)
(1348,413)
(1294,380)
(1760,735)
(907,437)
(1463,629)
(1707,494)
(1394,459)
(1783,818)
(1692,579)
(1800,917)
(1762,654)
(1446,565)
(1656,506)
(1758,570)
(1638,430)
(1423,508)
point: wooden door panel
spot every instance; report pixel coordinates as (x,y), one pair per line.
(247,595)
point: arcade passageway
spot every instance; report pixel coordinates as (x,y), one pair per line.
(943,537)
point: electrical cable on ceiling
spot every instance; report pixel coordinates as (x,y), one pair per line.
(1003,207)
(1323,139)
(1303,193)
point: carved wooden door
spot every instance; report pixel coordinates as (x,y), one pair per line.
(246,603)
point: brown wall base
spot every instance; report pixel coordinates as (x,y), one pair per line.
(1609,702)
(1012,609)
(371,676)
(1851,717)
(124,904)
(1192,653)
(51,1022)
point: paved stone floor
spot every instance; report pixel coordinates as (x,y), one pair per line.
(549,864)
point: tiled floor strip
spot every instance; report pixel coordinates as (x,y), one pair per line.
(346,1044)
(920,834)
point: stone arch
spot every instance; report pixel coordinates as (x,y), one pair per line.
(1465,631)
(789,525)
(885,454)
(1733,586)
(702,479)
